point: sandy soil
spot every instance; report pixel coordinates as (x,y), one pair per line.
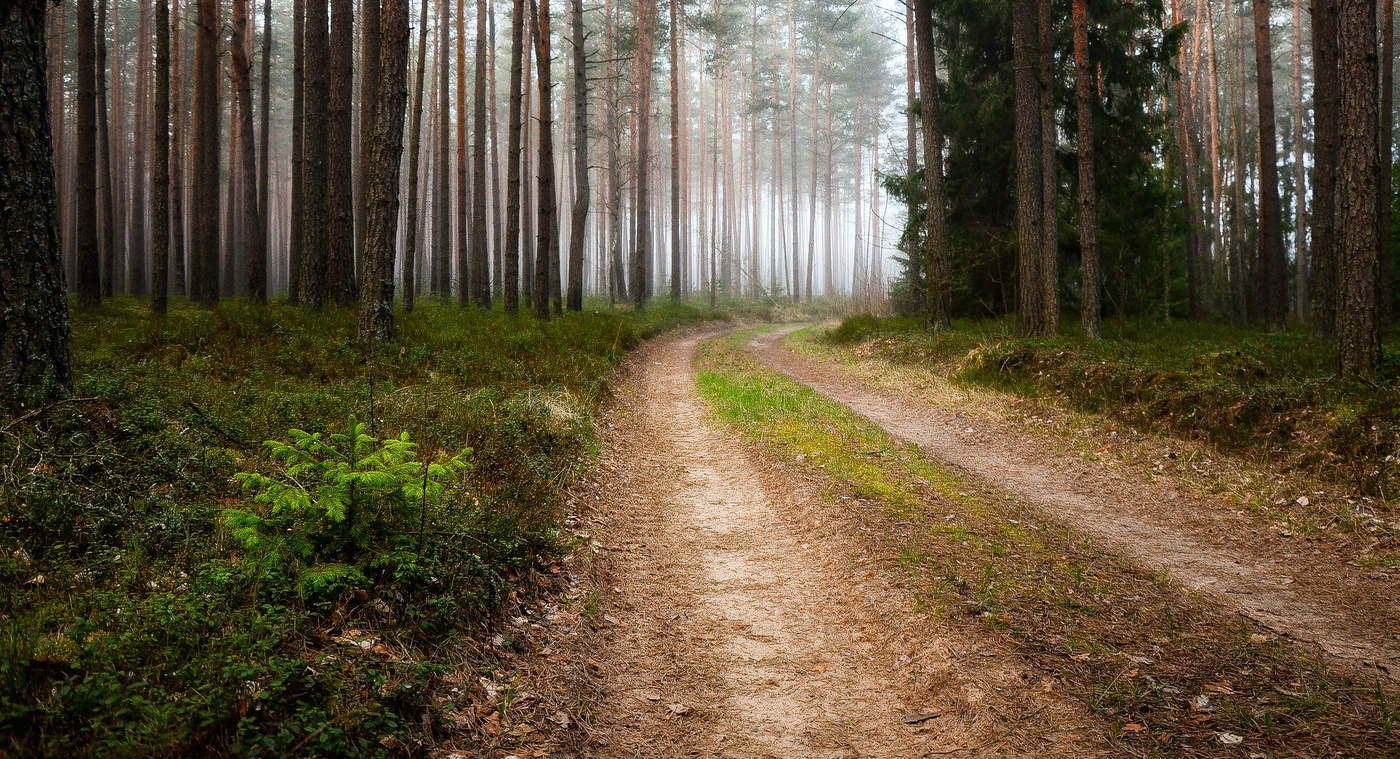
(1201,541)
(744,616)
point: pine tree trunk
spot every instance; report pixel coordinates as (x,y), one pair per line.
(34,361)
(579,219)
(137,238)
(250,221)
(410,254)
(935,218)
(265,149)
(1387,143)
(1326,115)
(675,159)
(297,211)
(89,262)
(1358,323)
(514,150)
(442,227)
(462,188)
(376,325)
(480,253)
(340,203)
(160,165)
(1088,195)
(1300,225)
(176,82)
(547,234)
(314,279)
(369,81)
(206,152)
(106,241)
(1049,193)
(497,199)
(646,52)
(1029,172)
(1270,251)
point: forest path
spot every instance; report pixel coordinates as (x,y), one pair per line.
(1205,544)
(743,618)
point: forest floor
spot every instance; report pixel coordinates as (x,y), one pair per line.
(787,556)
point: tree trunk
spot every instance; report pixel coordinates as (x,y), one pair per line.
(935,218)
(298,210)
(674,32)
(1387,144)
(314,173)
(462,188)
(1028,166)
(1271,260)
(792,136)
(1326,115)
(646,51)
(480,253)
(206,150)
(514,149)
(410,254)
(264,150)
(547,236)
(579,220)
(1088,195)
(89,262)
(497,200)
(340,203)
(177,163)
(382,182)
(1300,225)
(251,222)
(442,227)
(1358,325)
(34,361)
(1050,186)
(106,240)
(137,239)
(369,81)
(160,165)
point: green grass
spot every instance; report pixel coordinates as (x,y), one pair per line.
(1127,643)
(1239,389)
(132,624)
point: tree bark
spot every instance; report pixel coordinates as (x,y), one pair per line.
(314,172)
(480,253)
(264,150)
(1358,323)
(160,165)
(646,51)
(514,150)
(578,227)
(1271,260)
(1387,144)
(442,227)
(1050,186)
(177,164)
(251,221)
(1326,115)
(1088,195)
(1028,166)
(34,360)
(547,235)
(340,203)
(410,254)
(206,150)
(106,240)
(89,262)
(463,156)
(369,82)
(935,218)
(298,210)
(674,32)
(382,182)
(1300,195)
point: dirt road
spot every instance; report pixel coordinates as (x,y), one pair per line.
(1202,543)
(746,617)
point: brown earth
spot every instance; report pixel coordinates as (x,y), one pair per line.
(742,615)
(1205,543)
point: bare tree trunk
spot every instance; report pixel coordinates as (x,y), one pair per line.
(480,254)
(935,219)
(34,360)
(410,255)
(376,324)
(1300,228)
(264,149)
(1029,173)
(340,201)
(1049,194)
(89,262)
(297,211)
(442,226)
(1088,195)
(497,199)
(462,187)
(646,51)
(206,151)
(251,220)
(514,149)
(792,135)
(176,82)
(369,81)
(137,239)
(675,159)
(1358,323)
(1326,115)
(547,236)
(579,221)
(160,164)
(1387,144)
(1271,260)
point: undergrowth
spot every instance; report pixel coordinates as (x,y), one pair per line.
(1239,389)
(1169,672)
(150,605)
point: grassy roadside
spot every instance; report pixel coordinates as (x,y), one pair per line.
(1169,672)
(149,606)
(1241,390)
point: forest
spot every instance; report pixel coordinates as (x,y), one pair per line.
(746,378)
